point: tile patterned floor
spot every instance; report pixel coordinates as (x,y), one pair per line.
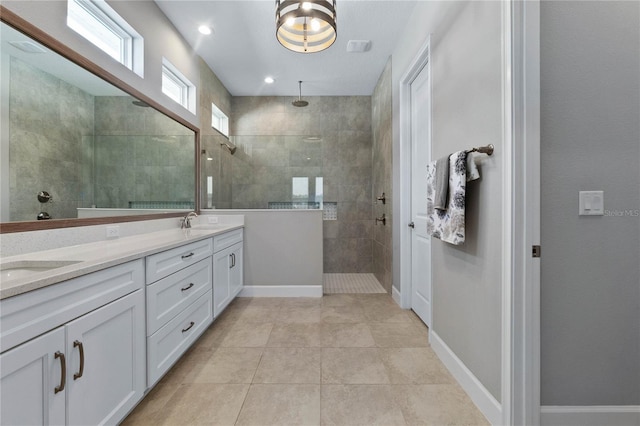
(351,283)
(344,359)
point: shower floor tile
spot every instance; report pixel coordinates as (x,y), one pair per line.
(351,283)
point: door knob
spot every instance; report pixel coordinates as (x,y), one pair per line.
(412,225)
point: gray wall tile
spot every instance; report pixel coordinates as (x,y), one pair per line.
(270,134)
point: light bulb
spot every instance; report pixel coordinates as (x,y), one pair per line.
(290,22)
(204,30)
(269,80)
(315,24)
(307,5)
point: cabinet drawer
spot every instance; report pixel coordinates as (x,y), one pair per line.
(169,296)
(167,262)
(166,345)
(227,239)
(30,314)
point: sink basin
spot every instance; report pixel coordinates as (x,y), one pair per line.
(26,268)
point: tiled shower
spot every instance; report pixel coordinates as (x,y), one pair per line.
(334,153)
(289,156)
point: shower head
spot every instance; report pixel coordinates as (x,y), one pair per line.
(140,104)
(230,146)
(299,102)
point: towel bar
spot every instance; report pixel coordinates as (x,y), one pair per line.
(483,149)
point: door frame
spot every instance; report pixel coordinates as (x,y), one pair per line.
(420,62)
(525,213)
(520,366)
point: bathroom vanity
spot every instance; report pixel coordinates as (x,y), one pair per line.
(86,330)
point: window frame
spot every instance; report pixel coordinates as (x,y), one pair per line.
(84,15)
(187,96)
(221,119)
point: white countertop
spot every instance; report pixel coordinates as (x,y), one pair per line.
(93,257)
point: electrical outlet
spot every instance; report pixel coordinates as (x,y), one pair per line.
(113,231)
(212,219)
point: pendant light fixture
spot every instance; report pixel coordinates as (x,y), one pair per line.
(306,26)
(300,102)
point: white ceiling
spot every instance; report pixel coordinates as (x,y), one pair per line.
(243,49)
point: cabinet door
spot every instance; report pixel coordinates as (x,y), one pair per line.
(221,290)
(236,278)
(31,374)
(106,362)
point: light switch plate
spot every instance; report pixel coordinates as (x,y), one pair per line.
(591,203)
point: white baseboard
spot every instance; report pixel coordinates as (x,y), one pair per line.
(480,396)
(281,291)
(395,293)
(591,415)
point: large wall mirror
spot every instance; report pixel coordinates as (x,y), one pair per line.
(74,146)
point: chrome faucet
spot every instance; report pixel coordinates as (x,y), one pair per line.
(186,221)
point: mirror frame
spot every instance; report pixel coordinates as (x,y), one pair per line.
(20,24)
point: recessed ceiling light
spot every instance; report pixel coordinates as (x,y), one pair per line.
(269,80)
(204,30)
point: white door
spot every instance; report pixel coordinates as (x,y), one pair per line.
(420,157)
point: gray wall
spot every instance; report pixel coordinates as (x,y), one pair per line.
(281,248)
(382,113)
(467,112)
(47,156)
(140,155)
(590,274)
(269,131)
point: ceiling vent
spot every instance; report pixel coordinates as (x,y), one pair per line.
(27,46)
(358,46)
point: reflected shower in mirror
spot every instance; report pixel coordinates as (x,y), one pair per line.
(93,148)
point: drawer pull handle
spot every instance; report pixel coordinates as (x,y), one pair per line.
(188,328)
(186,256)
(80,346)
(187,287)
(63,372)
(233,260)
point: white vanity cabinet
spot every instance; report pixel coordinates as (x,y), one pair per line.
(33,384)
(227,268)
(86,365)
(179,303)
